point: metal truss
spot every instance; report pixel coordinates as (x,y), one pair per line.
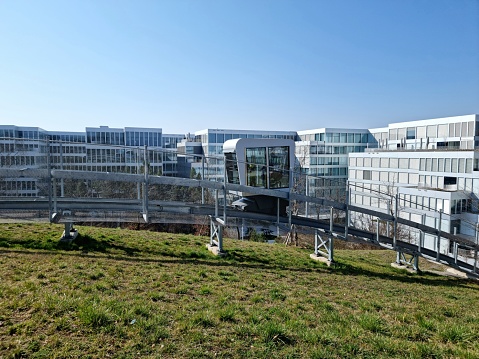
(216,233)
(408,260)
(323,247)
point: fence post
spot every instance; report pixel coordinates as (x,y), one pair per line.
(396,213)
(225,178)
(346,219)
(62,184)
(145,185)
(203,178)
(331,238)
(439,236)
(50,180)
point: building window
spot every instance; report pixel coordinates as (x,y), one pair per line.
(367,175)
(450,181)
(431,131)
(411,133)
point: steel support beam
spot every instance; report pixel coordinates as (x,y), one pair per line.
(216,236)
(408,260)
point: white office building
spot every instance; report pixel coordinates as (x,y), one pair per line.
(432,167)
(323,156)
(100,149)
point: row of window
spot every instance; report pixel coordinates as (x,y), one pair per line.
(63,148)
(301,151)
(136,138)
(452,165)
(8,185)
(334,161)
(338,137)
(67,160)
(34,135)
(223,137)
(17,147)
(459,129)
(9,161)
(102,155)
(389,179)
(322,171)
(128,138)
(326,182)
(71,138)
(385,162)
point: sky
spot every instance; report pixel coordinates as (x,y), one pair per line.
(187,65)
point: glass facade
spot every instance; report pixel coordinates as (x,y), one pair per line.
(267,167)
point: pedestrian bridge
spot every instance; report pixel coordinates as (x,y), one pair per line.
(79,196)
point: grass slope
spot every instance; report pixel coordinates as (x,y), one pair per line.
(120,293)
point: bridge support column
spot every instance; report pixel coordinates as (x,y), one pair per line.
(70,233)
(216,236)
(407,261)
(323,249)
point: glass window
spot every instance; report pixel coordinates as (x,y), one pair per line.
(454,165)
(232,168)
(413,163)
(451,130)
(276,173)
(431,131)
(462,165)
(443,130)
(457,132)
(393,134)
(464,129)
(256,167)
(428,164)
(447,165)
(440,166)
(469,165)
(394,163)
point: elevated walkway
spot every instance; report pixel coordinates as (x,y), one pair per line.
(69,210)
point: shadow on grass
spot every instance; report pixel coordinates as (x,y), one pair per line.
(430,279)
(89,245)
(84,243)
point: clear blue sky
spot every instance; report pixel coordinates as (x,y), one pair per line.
(263,64)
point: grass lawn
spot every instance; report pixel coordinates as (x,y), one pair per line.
(121,293)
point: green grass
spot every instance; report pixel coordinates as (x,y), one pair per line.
(121,294)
